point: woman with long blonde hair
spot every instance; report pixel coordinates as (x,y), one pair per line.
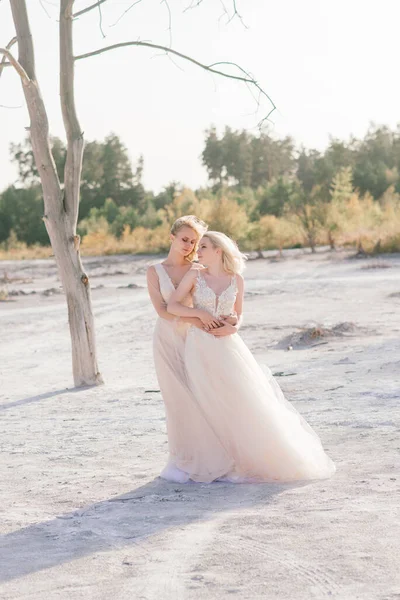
(262,437)
(185,427)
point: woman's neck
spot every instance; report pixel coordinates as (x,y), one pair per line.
(217,270)
(176,260)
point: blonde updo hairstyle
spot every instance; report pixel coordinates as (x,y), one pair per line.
(233,260)
(198,226)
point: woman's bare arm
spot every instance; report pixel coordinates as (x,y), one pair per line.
(153,286)
(239,300)
(176,306)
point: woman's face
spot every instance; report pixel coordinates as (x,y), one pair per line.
(206,252)
(184,240)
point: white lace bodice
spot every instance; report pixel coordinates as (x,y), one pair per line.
(205,298)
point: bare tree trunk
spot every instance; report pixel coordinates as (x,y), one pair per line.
(309,227)
(360,248)
(61,207)
(311,237)
(331,240)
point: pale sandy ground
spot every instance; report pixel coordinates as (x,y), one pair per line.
(84,515)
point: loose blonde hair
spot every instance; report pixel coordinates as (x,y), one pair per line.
(233,260)
(198,226)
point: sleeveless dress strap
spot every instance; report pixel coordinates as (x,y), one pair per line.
(159,271)
(234,283)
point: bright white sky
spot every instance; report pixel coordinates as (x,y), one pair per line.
(331,67)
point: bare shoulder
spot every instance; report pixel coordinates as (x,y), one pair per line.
(151,272)
(192,273)
(239,279)
(239,282)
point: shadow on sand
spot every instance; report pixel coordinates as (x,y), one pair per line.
(44,396)
(123,521)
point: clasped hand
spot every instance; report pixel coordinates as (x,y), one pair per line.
(218,326)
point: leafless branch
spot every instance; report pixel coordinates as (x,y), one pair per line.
(88,8)
(44,8)
(193,4)
(257,99)
(125,11)
(17,66)
(236,14)
(245,77)
(75,143)
(265,119)
(101,21)
(251,83)
(248,78)
(11,43)
(4,62)
(170,58)
(225,12)
(169,20)
(10,107)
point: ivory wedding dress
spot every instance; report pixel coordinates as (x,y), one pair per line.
(227,418)
(191,440)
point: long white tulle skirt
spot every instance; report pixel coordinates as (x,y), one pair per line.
(194,448)
(240,426)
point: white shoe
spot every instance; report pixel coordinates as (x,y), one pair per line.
(171,473)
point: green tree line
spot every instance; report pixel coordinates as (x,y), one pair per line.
(262,190)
